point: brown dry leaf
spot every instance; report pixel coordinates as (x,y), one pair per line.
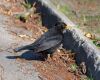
(1,50)
(90,36)
(9,12)
(31,15)
(5,11)
(23,36)
(10,0)
(1,9)
(7,0)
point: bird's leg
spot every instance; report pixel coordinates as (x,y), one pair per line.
(64,50)
(45,56)
(61,46)
(51,56)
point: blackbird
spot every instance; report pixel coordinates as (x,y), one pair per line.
(48,42)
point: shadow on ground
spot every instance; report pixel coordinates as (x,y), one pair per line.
(47,16)
(28,55)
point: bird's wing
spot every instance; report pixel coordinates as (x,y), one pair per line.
(49,43)
(43,37)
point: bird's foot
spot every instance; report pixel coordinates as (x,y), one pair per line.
(63,50)
(51,58)
(44,59)
(45,56)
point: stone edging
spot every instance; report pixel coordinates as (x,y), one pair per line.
(75,40)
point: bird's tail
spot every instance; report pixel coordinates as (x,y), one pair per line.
(27,47)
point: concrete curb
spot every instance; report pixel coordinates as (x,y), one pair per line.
(75,40)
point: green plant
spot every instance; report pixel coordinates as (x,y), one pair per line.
(90,78)
(23,17)
(26,4)
(87,78)
(74,67)
(96,42)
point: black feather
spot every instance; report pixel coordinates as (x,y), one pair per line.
(48,42)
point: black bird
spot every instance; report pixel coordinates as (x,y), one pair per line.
(48,42)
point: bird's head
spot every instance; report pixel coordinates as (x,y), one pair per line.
(60,25)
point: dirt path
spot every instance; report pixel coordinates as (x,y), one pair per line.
(11,69)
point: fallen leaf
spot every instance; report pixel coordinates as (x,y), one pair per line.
(90,36)
(23,36)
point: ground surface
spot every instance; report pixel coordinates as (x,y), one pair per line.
(28,66)
(86,14)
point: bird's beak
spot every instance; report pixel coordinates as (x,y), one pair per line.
(67,27)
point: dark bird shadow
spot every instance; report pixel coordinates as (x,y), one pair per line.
(47,16)
(28,55)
